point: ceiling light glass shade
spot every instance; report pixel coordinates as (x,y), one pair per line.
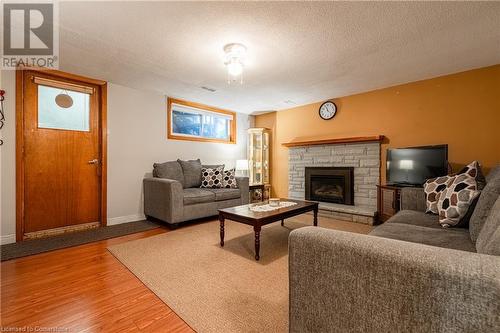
(235,61)
(234,68)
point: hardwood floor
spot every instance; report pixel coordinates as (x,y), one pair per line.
(82,289)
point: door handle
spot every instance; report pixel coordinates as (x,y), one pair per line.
(94,161)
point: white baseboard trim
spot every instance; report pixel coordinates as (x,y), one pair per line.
(7,239)
(125,219)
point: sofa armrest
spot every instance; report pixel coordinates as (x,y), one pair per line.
(244,189)
(163,199)
(413,198)
(346,282)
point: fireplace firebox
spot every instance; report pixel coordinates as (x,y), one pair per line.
(330,184)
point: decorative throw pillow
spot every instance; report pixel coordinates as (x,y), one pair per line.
(212,177)
(432,188)
(474,170)
(169,170)
(454,202)
(192,172)
(229,179)
(213,166)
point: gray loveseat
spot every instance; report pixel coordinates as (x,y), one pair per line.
(407,275)
(173,194)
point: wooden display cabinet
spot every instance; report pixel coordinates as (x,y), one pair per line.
(259,143)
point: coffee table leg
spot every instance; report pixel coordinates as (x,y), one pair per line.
(256,229)
(315,221)
(282,222)
(221,219)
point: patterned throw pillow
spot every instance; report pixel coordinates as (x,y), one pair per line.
(454,202)
(474,170)
(229,179)
(212,177)
(432,188)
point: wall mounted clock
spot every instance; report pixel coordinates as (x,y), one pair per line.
(327,110)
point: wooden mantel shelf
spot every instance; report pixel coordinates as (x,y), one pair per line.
(314,142)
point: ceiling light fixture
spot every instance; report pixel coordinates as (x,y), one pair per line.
(235,61)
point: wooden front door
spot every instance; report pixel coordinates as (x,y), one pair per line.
(62,154)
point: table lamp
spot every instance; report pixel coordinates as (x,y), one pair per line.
(242,167)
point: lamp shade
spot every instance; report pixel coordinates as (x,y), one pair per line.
(241,165)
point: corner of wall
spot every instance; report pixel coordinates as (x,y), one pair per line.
(125,219)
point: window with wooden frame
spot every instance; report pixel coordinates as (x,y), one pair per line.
(197,122)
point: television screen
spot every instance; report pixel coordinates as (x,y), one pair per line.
(413,166)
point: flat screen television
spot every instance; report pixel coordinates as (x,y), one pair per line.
(413,166)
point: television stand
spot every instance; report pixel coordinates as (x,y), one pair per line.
(403,185)
(388,201)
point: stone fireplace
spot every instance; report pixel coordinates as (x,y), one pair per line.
(330,184)
(343,177)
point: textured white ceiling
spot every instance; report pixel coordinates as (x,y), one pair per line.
(300,52)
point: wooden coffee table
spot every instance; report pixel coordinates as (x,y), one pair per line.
(243,214)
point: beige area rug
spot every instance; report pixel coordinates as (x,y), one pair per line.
(218,289)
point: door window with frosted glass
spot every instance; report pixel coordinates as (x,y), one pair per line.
(52,116)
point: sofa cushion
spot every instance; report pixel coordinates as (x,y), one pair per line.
(432,188)
(455,201)
(488,240)
(213,166)
(455,238)
(484,204)
(192,172)
(212,177)
(197,195)
(495,172)
(413,198)
(169,170)
(225,193)
(412,217)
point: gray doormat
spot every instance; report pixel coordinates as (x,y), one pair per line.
(35,246)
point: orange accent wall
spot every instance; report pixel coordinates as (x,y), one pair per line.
(462,110)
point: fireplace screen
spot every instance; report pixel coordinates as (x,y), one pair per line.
(330,184)
(325,188)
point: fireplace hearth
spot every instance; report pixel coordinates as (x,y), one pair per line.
(330,184)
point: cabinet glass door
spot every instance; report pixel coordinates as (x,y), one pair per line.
(258,155)
(257,158)
(265,158)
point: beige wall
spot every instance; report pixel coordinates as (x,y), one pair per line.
(136,139)
(462,110)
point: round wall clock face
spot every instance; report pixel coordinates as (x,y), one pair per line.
(327,110)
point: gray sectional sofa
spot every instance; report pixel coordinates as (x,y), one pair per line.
(407,275)
(173,193)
